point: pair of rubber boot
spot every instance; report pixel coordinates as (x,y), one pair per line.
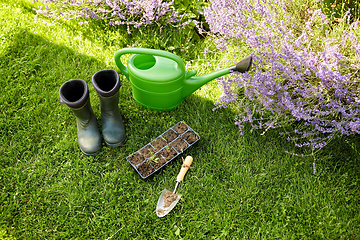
(75,94)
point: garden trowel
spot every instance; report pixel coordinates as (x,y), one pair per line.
(168,199)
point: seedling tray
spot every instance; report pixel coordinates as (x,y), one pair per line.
(163,149)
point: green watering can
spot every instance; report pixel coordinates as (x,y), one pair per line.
(159,80)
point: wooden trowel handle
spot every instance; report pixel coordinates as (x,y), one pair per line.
(185,167)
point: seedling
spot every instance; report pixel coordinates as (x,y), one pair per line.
(165,137)
(167,148)
(152,159)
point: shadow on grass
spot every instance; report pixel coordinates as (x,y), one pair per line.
(32,70)
(342,155)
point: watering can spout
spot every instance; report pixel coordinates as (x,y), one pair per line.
(193,83)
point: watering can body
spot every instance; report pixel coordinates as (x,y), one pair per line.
(158,78)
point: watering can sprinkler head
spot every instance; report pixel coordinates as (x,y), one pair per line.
(242,66)
(159,80)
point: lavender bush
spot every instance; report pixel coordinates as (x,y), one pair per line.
(132,13)
(305,74)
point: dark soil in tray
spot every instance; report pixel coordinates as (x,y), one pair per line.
(170,135)
(145,169)
(158,143)
(163,149)
(190,137)
(147,151)
(179,145)
(136,158)
(180,127)
(168,153)
(159,161)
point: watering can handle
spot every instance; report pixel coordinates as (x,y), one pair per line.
(148,51)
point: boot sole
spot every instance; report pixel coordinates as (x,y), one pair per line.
(90,154)
(115,144)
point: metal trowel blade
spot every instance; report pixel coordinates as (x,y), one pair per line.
(161,210)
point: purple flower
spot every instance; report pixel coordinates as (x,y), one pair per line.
(301,78)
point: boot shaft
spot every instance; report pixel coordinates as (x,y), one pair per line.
(106,82)
(84,115)
(74,93)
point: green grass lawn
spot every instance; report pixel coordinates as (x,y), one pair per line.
(239,187)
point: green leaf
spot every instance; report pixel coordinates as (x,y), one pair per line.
(177,232)
(186,3)
(192,15)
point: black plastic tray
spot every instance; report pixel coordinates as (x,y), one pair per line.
(142,158)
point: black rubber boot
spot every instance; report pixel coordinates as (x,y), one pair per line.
(107,84)
(75,94)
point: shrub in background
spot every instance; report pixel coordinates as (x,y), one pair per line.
(337,8)
(305,75)
(132,13)
(150,17)
(193,10)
